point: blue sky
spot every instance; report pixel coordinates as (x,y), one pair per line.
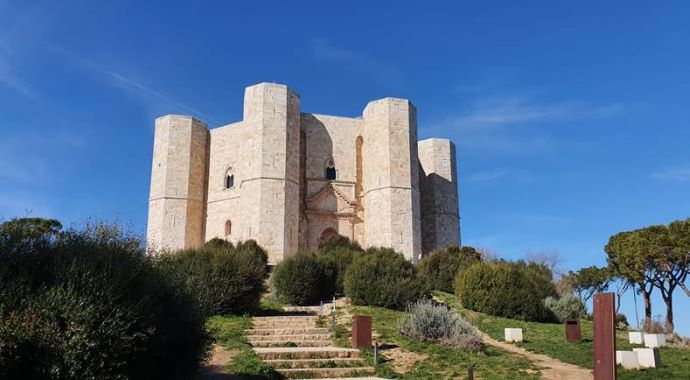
(571,119)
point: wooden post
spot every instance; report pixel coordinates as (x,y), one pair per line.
(361,331)
(604,337)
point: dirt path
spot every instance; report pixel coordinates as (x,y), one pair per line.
(552,369)
(216,368)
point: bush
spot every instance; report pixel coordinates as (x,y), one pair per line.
(436,323)
(381,277)
(438,270)
(223,279)
(90,304)
(622,322)
(302,280)
(335,256)
(566,307)
(512,290)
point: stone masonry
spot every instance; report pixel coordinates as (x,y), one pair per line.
(290,180)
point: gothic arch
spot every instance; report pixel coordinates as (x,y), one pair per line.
(329,170)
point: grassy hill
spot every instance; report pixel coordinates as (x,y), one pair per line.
(549,339)
(434,361)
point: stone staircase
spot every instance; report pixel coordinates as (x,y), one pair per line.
(296,347)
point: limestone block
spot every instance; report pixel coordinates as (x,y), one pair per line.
(513,335)
(648,357)
(627,359)
(654,340)
(635,337)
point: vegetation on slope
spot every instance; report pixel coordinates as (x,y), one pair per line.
(549,339)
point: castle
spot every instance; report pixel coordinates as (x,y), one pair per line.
(290,180)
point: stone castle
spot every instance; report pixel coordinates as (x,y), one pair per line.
(290,180)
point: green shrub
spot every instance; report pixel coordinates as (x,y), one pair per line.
(381,277)
(622,321)
(437,323)
(223,279)
(302,280)
(512,290)
(338,242)
(89,304)
(336,254)
(566,307)
(438,269)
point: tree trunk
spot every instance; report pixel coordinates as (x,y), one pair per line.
(647,307)
(669,313)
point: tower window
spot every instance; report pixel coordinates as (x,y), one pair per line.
(330,170)
(229,179)
(228,228)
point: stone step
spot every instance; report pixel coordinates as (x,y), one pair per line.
(324,372)
(297,343)
(272,353)
(316,363)
(350,378)
(287,318)
(306,309)
(279,324)
(286,331)
(265,326)
(288,337)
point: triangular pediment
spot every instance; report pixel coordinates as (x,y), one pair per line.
(330,199)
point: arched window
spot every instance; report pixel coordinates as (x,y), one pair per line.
(229,179)
(228,228)
(326,235)
(330,170)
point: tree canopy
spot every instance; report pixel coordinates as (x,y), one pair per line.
(657,256)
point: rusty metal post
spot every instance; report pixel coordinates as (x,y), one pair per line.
(361,331)
(470,372)
(573,333)
(604,337)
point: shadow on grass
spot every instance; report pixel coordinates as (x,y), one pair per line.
(387,346)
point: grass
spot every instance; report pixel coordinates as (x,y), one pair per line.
(228,332)
(442,362)
(549,339)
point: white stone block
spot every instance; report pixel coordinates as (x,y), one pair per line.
(648,357)
(628,359)
(618,357)
(513,335)
(635,337)
(654,340)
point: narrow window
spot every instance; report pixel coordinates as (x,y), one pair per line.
(229,179)
(228,228)
(330,170)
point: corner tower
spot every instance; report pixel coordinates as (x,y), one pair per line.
(439,185)
(272,116)
(177,204)
(390,183)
